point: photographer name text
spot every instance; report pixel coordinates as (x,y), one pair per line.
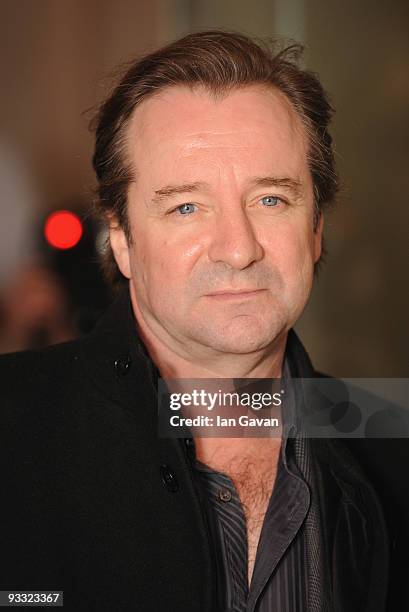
(219,421)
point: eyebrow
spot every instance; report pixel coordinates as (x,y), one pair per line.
(290,184)
(168,191)
(171,190)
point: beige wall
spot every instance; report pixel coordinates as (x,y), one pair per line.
(361,303)
(56,53)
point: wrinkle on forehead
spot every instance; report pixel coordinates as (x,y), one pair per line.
(155,117)
(204,140)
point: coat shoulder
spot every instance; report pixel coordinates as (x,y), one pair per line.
(32,375)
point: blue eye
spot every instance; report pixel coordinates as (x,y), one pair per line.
(186,209)
(270,200)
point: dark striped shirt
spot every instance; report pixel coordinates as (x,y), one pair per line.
(280,575)
(281,570)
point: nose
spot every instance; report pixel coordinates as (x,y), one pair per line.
(234,241)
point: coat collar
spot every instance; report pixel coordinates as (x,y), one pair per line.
(116,359)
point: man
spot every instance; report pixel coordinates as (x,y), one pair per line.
(215,165)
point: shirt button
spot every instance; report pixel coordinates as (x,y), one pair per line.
(224,495)
(169,478)
(122,365)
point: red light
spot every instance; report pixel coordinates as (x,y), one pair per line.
(63,229)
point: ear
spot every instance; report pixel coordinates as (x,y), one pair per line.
(318,238)
(120,247)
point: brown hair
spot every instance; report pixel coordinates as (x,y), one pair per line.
(219,61)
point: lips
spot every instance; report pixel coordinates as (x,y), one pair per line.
(232,293)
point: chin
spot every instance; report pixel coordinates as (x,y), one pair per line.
(241,336)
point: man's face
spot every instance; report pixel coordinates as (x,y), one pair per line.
(221,218)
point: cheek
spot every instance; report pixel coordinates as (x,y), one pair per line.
(291,250)
(162,264)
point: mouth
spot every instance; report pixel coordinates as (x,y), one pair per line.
(231,294)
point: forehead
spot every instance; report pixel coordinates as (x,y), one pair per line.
(180,130)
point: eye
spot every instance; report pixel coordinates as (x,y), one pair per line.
(270,200)
(186,209)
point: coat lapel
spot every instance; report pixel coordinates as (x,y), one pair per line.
(346,532)
(119,366)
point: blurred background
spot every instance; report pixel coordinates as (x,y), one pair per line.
(57,61)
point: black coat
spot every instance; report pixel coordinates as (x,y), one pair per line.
(95,504)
